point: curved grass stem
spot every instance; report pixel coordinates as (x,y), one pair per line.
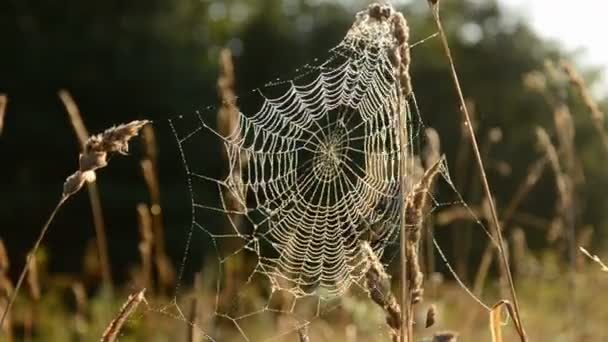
(484,180)
(30,257)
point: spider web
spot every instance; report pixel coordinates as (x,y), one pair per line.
(313,169)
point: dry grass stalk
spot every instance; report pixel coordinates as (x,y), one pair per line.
(93,157)
(496,319)
(228,126)
(431,154)
(113,329)
(595,259)
(193,334)
(146,243)
(495,324)
(501,267)
(3,103)
(444,42)
(166,273)
(462,233)
(5,282)
(33,282)
(562,180)
(6,289)
(6,328)
(400,59)
(415,204)
(534,173)
(80,316)
(377,282)
(597,115)
(79,178)
(520,249)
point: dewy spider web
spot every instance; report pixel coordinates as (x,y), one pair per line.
(319,160)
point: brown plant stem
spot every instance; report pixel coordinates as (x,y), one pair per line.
(113,329)
(3,102)
(92,190)
(30,257)
(444,42)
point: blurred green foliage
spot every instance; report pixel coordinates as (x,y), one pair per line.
(156,58)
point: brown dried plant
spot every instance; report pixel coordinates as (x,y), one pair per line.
(93,157)
(377,283)
(434,5)
(6,289)
(3,102)
(233,197)
(431,154)
(400,59)
(146,243)
(149,165)
(113,330)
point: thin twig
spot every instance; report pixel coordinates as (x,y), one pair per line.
(435,9)
(30,257)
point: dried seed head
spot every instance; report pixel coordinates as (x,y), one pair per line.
(92,161)
(115,139)
(378,285)
(95,154)
(73,183)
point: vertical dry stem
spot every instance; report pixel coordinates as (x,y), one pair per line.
(234,196)
(166,273)
(29,258)
(193,334)
(3,102)
(92,189)
(80,316)
(6,289)
(146,243)
(435,9)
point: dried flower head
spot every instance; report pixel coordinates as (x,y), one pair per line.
(95,154)
(115,139)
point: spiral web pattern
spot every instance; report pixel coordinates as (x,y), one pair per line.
(319,171)
(320,168)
